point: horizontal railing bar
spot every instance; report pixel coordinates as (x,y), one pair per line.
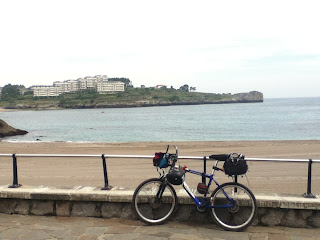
(51,155)
(129,156)
(151,156)
(280,160)
(76,155)
(260,159)
(5,155)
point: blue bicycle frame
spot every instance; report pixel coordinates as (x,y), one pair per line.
(203,202)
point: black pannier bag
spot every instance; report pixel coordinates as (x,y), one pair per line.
(159,160)
(235,165)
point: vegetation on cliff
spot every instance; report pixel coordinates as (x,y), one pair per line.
(131,97)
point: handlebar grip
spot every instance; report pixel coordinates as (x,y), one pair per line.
(219,157)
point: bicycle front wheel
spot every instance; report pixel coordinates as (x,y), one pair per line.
(233,206)
(153,201)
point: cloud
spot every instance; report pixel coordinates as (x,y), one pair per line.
(214,45)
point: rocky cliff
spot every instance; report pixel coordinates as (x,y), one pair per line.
(6,130)
(253,96)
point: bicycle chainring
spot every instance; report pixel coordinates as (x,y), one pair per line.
(201,208)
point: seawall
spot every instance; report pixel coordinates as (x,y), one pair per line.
(274,209)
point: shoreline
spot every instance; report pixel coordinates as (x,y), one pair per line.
(7,110)
(5,140)
(29,109)
(142,105)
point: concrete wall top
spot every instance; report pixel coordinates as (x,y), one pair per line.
(94,194)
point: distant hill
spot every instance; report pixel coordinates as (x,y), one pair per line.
(132,97)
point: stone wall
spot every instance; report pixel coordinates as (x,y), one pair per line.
(290,211)
(185,213)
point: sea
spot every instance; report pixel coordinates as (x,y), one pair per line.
(273,119)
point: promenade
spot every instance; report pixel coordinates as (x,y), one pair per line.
(23,227)
(77,176)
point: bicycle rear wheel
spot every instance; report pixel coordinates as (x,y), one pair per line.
(235,212)
(149,207)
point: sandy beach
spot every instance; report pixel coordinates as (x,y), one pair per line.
(7,110)
(73,172)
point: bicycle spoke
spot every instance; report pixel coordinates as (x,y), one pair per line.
(237,214)
(149,207)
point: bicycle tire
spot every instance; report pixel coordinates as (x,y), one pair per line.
(148,209)
(240,216)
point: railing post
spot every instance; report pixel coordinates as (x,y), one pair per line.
(204,170)
(105,173)
(15,173)
(309,194)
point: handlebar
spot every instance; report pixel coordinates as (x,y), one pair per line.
(175,148)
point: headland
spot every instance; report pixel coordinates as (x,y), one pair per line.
(135,97)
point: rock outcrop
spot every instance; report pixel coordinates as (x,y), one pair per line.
(6,130)
(253,96)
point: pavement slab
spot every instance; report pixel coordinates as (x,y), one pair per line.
(20,227)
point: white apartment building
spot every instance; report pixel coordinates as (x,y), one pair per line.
(91,82)
(99,83)
(82,84)
(45,91)
(102,77)
(67,86)
(73,86)
(62,86)
(110,86)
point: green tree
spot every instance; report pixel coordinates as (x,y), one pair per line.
(27,93)
(184,88)
(126,81)
(10,91)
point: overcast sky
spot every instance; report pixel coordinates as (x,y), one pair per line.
(215,46)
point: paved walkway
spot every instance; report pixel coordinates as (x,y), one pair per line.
(39,227)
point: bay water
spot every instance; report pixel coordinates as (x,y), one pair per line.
(274,119)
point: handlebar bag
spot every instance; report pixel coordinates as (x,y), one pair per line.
(159,160)
(235,166)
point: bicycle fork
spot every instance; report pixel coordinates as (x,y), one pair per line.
(161,190)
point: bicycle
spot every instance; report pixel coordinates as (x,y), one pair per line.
(232,205)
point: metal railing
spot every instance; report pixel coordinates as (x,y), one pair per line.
(308,194)
(15,184)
